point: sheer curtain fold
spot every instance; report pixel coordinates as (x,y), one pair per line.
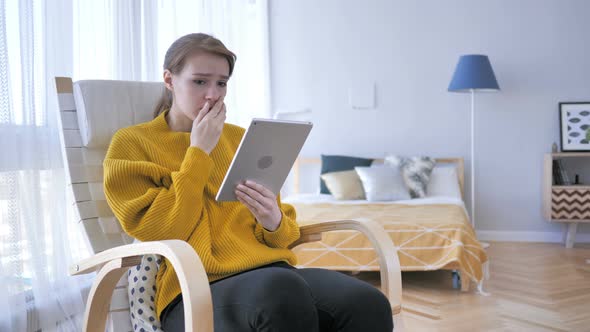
(110,39)
(38,241)
(247,35)
(127,40)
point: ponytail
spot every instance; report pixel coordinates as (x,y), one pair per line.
(164,103)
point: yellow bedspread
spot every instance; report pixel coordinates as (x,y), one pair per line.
(428,237)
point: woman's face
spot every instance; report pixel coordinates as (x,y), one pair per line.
(203,78)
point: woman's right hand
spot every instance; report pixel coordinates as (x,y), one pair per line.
(208,125)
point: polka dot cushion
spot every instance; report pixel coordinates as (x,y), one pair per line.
(142,294)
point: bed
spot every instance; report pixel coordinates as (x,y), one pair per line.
(430,233)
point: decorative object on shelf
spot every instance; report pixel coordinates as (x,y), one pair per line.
(473,73)
(554,147)
(557,180)
(562,178)
(574,126)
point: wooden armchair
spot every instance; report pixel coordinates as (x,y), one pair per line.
(90,113)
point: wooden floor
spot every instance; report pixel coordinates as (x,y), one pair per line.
(532,286)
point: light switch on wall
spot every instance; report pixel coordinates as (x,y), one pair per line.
(361,94)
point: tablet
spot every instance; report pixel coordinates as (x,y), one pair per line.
(265,155)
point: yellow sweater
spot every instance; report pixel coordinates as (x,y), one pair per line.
(160,188)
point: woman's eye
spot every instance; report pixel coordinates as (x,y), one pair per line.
(199,82)
(222,84)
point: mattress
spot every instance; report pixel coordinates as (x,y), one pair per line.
(430,233)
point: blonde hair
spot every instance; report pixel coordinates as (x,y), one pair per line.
(178,52)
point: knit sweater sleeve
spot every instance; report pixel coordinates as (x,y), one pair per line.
(151,202)
(288,231)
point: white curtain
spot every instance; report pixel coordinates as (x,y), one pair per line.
(127,40)
(39,238)
(85,39)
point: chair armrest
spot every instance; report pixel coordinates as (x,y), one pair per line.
(113,263)
(391,283)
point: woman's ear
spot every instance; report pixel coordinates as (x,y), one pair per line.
(168,80)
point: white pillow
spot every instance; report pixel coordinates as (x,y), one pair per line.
(444,182)
(382,183)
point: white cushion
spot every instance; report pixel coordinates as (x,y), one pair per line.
(104,106)
(444,182)
(382,183)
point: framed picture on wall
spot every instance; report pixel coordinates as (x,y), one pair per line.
(574,124)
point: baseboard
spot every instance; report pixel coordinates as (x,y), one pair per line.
(552,237)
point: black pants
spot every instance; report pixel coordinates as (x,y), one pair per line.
(279,297)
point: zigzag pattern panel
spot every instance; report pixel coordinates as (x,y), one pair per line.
(570,204)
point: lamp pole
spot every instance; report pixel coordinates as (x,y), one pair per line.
(485,245)
(473,73)
(472,157)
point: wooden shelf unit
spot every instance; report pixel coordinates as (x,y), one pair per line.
(565,204)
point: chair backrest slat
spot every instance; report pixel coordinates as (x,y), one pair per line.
(90,113)
(94,209)
(85,156)
(69,120)
(72,138)
(86,173)
(110,225)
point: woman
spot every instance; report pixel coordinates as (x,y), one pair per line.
(161,178)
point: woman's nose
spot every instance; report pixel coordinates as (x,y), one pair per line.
(213,94)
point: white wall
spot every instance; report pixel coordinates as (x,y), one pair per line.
(540,52)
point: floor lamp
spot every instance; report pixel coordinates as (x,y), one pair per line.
(474,73)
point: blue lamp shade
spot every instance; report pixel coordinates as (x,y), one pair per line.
(473,72)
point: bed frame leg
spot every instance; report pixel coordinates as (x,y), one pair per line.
(456,280)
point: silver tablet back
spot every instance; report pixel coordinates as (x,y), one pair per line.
(265,155)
